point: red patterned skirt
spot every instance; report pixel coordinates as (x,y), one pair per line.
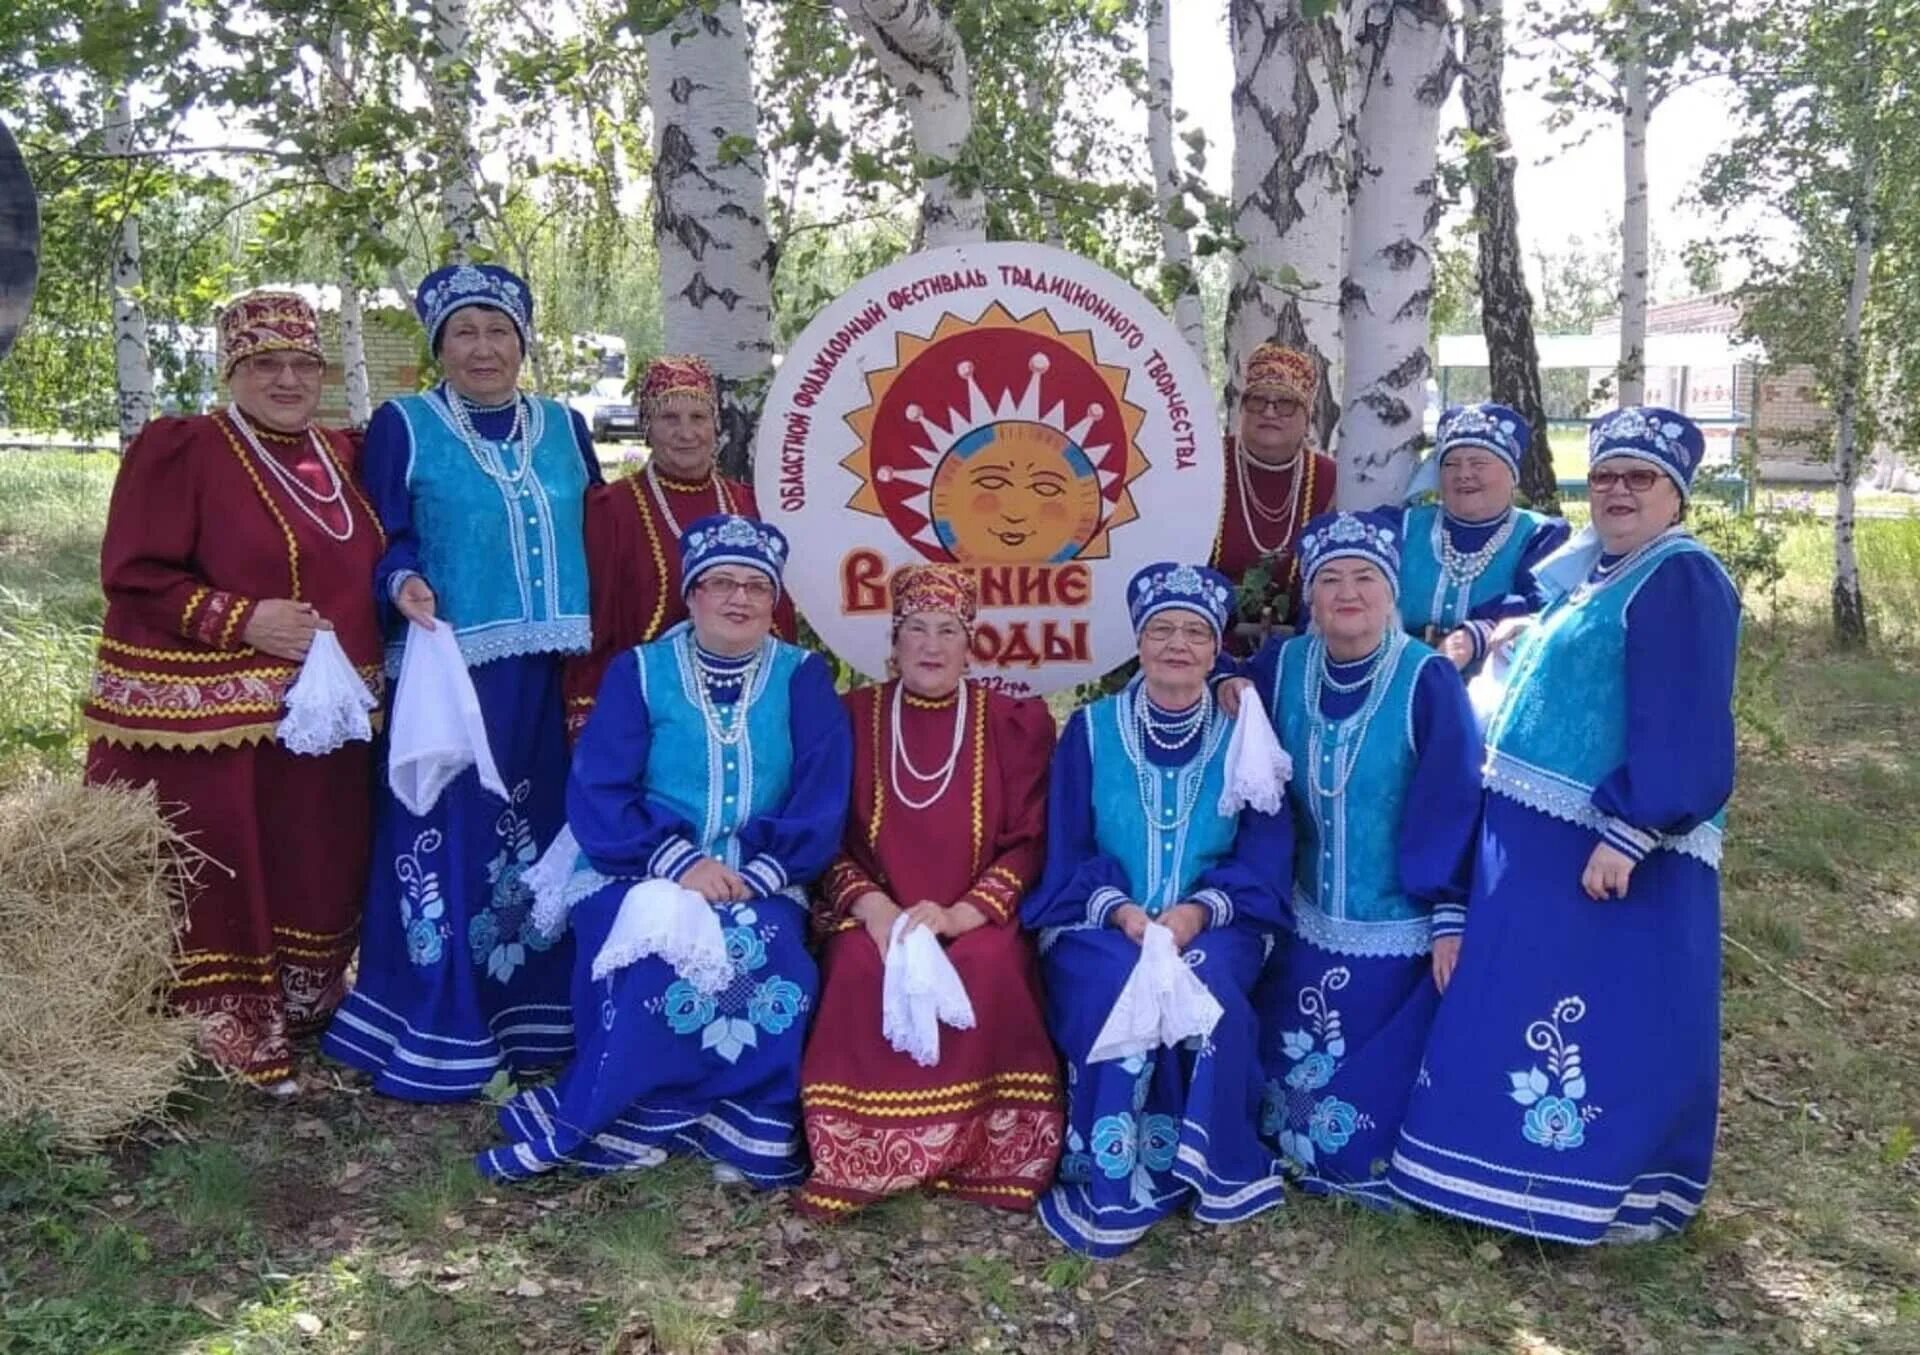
(272,926)
(984,1124)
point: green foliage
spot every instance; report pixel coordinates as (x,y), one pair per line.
(1748,546)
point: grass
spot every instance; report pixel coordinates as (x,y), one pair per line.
(345,1222)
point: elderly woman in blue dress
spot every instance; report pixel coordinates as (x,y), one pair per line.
(480,489)
(1466,562)
(1571,1080)
(1135,836)
(720,758)
(1385,798)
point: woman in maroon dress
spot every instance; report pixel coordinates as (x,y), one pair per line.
(948,826)
(232,538)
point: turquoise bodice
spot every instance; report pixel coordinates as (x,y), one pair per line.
(1428,595)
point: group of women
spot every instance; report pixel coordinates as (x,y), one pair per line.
(1461,964)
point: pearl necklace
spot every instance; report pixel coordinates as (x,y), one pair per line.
(1146,776)
(296,489)
(477,448)
(1466,566)
(1289,515)
(726,734)
(1346,751)
(1183,728)
(1334,684)
(660,497)
(1603,575)
(900,758)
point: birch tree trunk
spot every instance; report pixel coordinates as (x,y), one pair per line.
(1175,248)
(1633,218)
(920,52)
(1849,603)
(451,89)
(339,176)
(1403,65)
(709,211)
(1506,305)
(132,362)
(1291,183)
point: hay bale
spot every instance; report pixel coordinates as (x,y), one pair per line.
(93,882)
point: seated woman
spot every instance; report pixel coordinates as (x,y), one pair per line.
(949,825)
(1572,1079)
(1135,836)
(717,757)
(1385,795)
(1466,563)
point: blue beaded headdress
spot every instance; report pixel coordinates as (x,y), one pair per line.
(446,290)
(1372,536)
(1663,437)
(1490,427)
(1195,588)
(728,539)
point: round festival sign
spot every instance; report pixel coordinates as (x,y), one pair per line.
(1010,408)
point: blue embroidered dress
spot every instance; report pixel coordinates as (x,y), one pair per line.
(454,983)
(1132,821)
(668,772)
(1475,574)
(1385,798)
(1571,1082)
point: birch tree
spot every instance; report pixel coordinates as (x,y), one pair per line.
(1403,68)
(451,86)
(1291,187)
(709,210)
(132,362)
(1175,216)
(1636,109)
(918,49)
(1506,303)
(339,173)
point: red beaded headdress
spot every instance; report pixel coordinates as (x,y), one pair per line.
(267,322)
(935,588)
(676,374)
(1275,369)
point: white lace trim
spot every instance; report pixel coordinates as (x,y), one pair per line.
(1401,937)
(328,704)
(1567,800)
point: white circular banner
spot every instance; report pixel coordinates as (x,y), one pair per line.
(1008,407)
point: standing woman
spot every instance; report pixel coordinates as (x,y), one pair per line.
(1385,797)
(1572,1079)
(480,490)
(949,827)
(232,538)
(1135,836)
(1467,561)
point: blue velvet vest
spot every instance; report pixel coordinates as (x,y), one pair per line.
(1561,728)
(507,562)
(1427,596)
(1163,824)
(1347,896)
(714,786)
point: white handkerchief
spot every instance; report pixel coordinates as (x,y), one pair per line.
(1163,1003)
(328,703)
(437,730)
(1489,686)
(1257,766)
(559,879)
(659,917)
(920,990)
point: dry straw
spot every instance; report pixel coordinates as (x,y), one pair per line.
(92,886)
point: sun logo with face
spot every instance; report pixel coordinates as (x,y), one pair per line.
(998,440)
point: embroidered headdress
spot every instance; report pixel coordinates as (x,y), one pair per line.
(676,374)
(728,539)
(460,285)
(267,322)
(1194,588)
(948,589)
(1661,437)
(1275,369)
(1491,428)
(1372,536)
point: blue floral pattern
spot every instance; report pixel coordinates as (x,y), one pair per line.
(1557,1112)
(1302,1124)
(423,910)
(730,1021)
(1131,1143)
(500,935)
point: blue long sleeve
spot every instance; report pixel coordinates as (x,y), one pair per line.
(1441,824)
(1255,878)
(796,842)
(620,830)
(1080,885)
(1683,639)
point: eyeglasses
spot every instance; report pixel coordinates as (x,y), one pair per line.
(268,366)
(1269,404)
(1166,632)
(1640,479)
(721,588)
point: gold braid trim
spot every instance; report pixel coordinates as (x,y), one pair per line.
(979,783)
(879,771)
(260,488)
(659,559)
(194,599)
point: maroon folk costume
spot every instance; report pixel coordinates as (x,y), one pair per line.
(985,1123)
(199,532)
(1266,509)
(632,530)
